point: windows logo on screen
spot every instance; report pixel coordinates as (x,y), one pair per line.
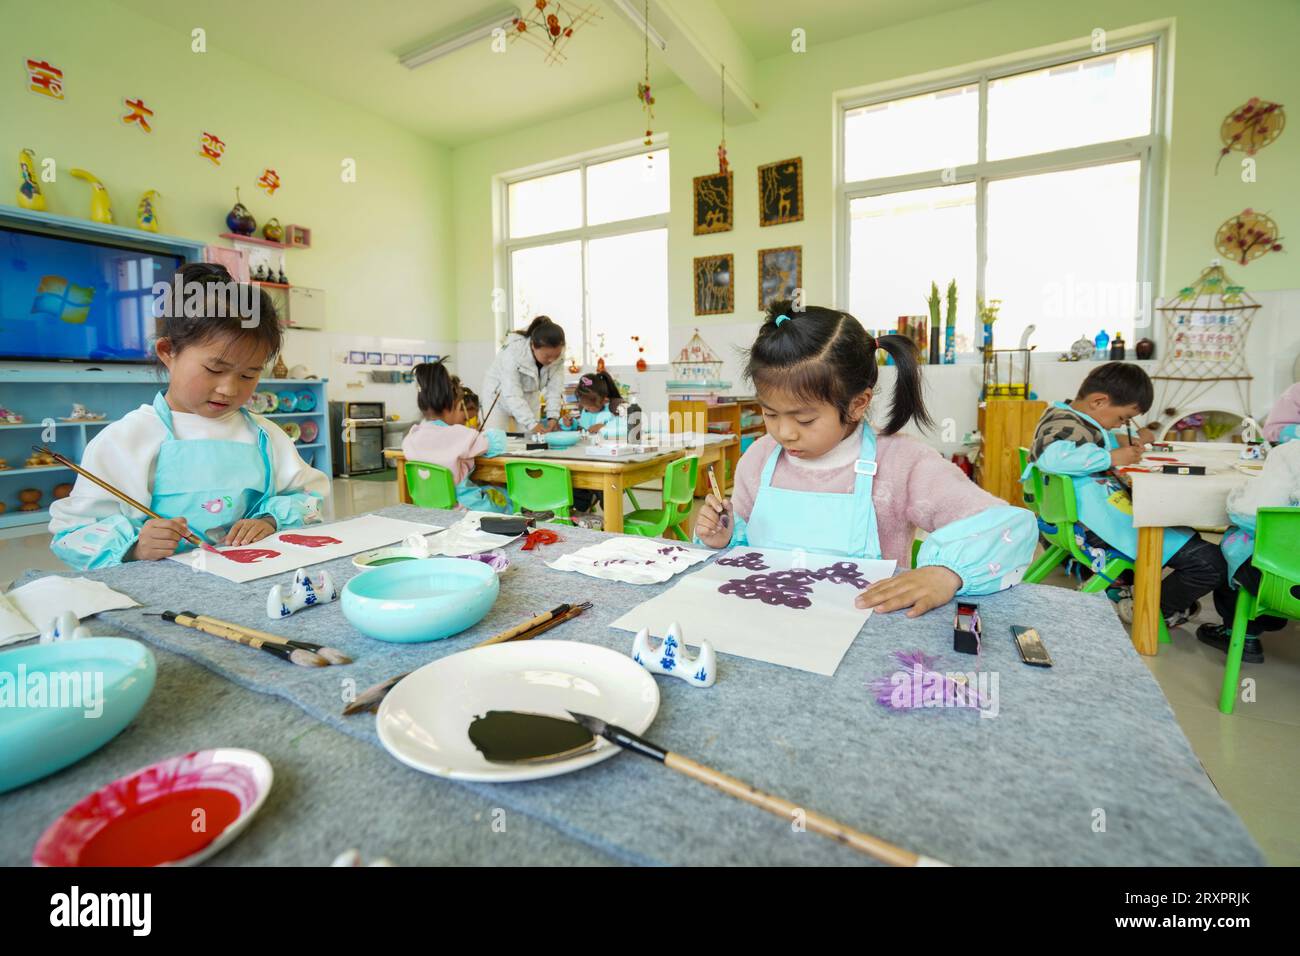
(57,298)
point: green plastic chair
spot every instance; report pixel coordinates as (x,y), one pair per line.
(1276,532)
(430,485)
(1057,506)
(1053,554)
(540,486)
(678,497)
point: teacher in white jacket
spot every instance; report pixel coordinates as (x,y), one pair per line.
(528,367)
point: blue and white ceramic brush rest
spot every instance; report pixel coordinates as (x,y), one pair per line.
(670,658)
(305,591)
(65,627)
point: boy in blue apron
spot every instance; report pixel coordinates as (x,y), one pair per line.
(823,480)
(1076,439)
(196,454)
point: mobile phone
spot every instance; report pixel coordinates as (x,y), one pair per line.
(1030,646)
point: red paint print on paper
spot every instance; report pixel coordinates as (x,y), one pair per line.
(249,555)
(309,540)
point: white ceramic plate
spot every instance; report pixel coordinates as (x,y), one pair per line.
(424,721)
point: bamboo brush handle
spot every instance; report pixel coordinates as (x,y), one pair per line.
(865,843)
(222,631)
(514,632)
(241,629)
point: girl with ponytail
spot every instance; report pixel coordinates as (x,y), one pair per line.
(822,479)
(442,438)
(599,398)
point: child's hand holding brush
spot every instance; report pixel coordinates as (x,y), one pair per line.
(714,522)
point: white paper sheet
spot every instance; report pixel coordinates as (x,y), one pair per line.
(799,612)
(464,537)
(24,611)
(289,552)
(631,560)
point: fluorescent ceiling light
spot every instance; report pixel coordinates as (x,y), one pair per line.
(636,13)
(480,29)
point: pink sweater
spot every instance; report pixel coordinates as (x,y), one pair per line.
(914,487)
(1285,411)
(453,446)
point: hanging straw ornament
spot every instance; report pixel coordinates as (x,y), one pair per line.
(1247,236)
(1250,127)
(723,165)
(643,88)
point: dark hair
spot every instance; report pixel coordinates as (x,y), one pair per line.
(602,386)
(826,355)
(439,390)
(543,333)
(470,397)
(221,311)
(1123,383)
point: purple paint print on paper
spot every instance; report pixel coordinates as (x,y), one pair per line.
(791,588)
(670,550)
(752,561)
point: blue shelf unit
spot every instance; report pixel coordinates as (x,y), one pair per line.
(42,394)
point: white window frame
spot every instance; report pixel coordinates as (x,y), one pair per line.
(1148,149)
(583,233)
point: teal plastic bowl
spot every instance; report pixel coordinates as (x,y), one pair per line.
(414,601)
(563,439)
(64,701)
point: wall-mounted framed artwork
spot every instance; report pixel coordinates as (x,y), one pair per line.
(715,284)
(780,273)
(713,203)
(374,358)
(780,192)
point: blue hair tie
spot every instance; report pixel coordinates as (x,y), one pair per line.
(781,318)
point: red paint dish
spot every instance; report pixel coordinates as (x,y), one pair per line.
(174,813)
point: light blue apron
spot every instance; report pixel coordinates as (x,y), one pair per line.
(1238,547)
(209,482)
(823,522)
(1106,508)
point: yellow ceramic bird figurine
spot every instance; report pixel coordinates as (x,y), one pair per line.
(146,213)
(100,208)
(29,190)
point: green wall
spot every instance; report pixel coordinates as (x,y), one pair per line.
(1220,56)
(381,246)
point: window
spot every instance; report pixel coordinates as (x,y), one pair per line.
(588,246)
(1030,185)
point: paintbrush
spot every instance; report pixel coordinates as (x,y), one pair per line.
(521,629)
(331,654)
(296,655)
(491,408)
(865,843)
(717,493)
(369,698)
(192,538)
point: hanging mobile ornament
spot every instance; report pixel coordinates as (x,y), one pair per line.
(723,165)
(643,88)
(641,365)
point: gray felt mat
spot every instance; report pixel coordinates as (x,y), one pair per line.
(1094,733)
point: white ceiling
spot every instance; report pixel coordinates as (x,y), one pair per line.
(348,50)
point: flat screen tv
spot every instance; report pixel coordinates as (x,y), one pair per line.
(73,300)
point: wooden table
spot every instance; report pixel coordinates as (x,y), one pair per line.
(1168,501)
(610,476)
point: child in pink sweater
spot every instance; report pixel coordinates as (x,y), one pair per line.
(1283,422)
(821,479)
(442,438)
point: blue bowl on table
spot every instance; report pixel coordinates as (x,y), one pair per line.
(563,439)
(93,687)
(425,600)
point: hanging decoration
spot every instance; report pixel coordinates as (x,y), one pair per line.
(100,208)
(211,148)
(641,365)
(643,88)
(29,190)
(1247,236)
(146,213)
(269,181)
(550,25)
(1205,329)
(139,114)
(723,165)
(1250,127)
(45,79)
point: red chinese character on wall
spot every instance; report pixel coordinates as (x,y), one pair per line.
(45,79)
(139,114)
(270,181)
(211,148)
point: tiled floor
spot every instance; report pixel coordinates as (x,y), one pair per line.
(1253,757)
